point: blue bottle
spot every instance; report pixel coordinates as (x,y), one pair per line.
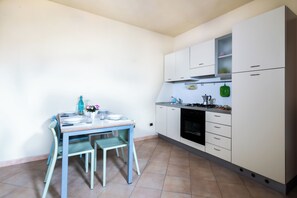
(81,106)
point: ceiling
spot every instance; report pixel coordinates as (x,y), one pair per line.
(169,17)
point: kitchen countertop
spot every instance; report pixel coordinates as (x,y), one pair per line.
(183,106)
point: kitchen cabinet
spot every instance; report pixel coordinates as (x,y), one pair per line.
(169,67)
(218,135)
(223,56)
(161,119)
(173,123)
(202,59)
(168,121)
(176,65)
(259,43)
(263,101)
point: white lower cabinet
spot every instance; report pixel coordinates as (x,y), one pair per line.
(218,135)
(173,123)
(168,121)
(161,119)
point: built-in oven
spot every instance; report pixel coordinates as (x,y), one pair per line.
(193,125)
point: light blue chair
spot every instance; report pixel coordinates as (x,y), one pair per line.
(75,148)
(110,143)
(71,139)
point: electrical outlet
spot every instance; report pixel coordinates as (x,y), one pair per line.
(151,124)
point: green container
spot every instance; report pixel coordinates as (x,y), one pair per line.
(225,91)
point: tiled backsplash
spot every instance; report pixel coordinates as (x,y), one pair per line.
(179,90)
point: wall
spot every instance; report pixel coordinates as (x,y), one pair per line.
(51,54)
(223,25)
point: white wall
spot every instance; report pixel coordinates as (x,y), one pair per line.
(51,54)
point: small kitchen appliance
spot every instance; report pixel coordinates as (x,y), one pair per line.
(206,99)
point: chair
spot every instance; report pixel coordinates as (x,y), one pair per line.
(75,148)
(114,142)
(71,139)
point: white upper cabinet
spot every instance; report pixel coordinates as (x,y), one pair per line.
(169,67)
(202,59)
(259,42)
(182,61)
(177,65)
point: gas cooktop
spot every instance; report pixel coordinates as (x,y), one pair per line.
(223,107)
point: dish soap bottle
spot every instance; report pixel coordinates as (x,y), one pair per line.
(81,106)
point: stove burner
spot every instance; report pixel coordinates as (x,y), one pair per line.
(223,107)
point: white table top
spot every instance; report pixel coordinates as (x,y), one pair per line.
(95,124)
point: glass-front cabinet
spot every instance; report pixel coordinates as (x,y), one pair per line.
(223,56)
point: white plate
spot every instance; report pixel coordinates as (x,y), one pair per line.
(73,120)
(114,117)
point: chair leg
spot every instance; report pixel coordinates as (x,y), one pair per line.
(92,170)
(104,167)
(117,151)
(50,154)
(87,162)
(135,159)
(123,155)
(95,157)
(49,175)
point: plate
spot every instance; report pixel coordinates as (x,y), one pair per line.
(73,120)
(114,117)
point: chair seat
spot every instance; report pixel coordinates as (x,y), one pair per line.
(77,148)
(111,143)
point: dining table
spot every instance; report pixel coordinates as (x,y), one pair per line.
(90,126)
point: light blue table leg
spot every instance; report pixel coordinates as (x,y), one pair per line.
(130,154)
(64,182)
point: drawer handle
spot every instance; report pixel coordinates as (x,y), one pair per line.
(217,116)
(253,66)
(169,79)
(217,138)
(173,109)
(217,127)
(255,75)
(181,77)
(216,149)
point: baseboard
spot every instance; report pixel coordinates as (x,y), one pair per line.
(145,138)
(22,160)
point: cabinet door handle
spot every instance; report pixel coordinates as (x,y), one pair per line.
(201,63)
(216,138)
(217,127)
(255,75)
(216,149)
(169,79)
(173,109)
(181,77)
(253,66)
(217,116)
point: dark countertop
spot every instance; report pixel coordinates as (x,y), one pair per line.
(183,106)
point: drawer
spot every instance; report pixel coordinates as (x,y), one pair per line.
(218,152)
(220,118)
(218,140)
(218,129)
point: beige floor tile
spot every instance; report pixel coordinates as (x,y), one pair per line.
(174,195)
(199,163)
(116,190)
(140,192)
(234,191)
(180,161)
(178,171)
(153,167)
(179,153)
(263,192)
(177,184)
(200,174)
(205,188)
(151,180)
(223,175)
(9,171)
(160,156)
(121,177)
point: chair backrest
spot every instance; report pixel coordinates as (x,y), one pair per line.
(123,134)
(52,127)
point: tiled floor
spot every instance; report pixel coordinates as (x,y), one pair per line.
(167,172)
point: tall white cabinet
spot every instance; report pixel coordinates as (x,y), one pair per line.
(264,95)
